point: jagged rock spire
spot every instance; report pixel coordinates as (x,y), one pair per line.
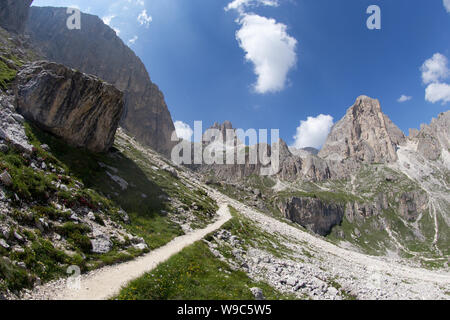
(365,134)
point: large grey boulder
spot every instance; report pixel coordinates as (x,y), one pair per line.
(81,109)
(365,134)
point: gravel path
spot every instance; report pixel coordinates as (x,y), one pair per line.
(106,282)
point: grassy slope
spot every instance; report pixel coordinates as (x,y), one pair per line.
(7,75)
(36,194)
(147,214)
(146,197)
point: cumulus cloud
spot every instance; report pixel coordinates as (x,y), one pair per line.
(435,69)
(144,19)
(404,98)
(270,48)
(313,132)
(184,131)
(436,92)
(266,44)
(447,5)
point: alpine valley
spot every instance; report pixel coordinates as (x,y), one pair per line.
(87,184)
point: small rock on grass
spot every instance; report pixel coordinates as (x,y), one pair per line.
(6,179)
(257,293)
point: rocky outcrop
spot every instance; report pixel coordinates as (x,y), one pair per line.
(358,212)
(14,14)
(82,109)
(97,50)
(432,139)
(312,213)
(364,134)
(11,126)
(411,204)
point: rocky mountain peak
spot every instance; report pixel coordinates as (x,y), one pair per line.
(365,134)
(222,127)
(365,105)
(283,149)
(433,139)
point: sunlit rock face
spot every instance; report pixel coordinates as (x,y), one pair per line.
(364,134)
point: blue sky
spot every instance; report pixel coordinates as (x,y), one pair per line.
(274,63)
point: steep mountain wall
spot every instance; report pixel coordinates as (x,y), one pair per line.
(14,14)
(97,50)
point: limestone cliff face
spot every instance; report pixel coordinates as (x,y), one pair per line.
(432,139)
(313,214)
(364,134)
(82,109)
(14,14)
(97,50)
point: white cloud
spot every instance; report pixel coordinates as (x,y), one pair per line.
(313,132)
(270,48)
(144,19)
(435,69)
(447,5)
(133,40)
(436,92)
(239,5)
(184,131)
(107,19)
(404,98)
